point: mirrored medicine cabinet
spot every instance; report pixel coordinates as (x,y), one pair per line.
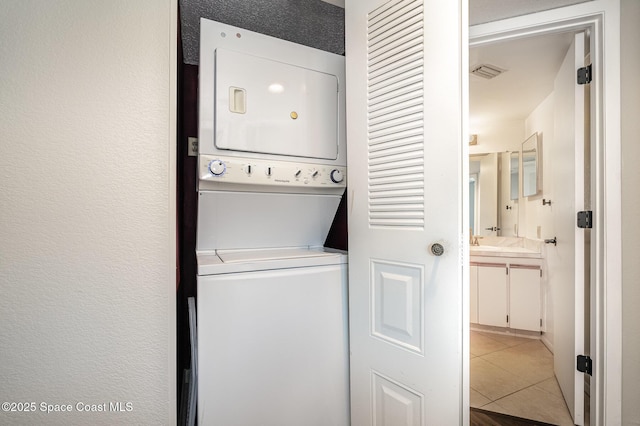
(531,166)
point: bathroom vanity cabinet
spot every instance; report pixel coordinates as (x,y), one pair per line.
(506,295)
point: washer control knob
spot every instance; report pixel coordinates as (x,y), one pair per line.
(268,171)
(248,169)
(217,167)
(298,173)
(336,176)
(314,174)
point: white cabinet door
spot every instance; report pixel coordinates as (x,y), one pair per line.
(473,294)
(492,295)
(524,298)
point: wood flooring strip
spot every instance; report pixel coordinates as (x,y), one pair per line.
(480,417)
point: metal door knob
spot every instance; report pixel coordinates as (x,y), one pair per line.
(437,249)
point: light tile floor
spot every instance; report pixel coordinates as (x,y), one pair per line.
(514,375)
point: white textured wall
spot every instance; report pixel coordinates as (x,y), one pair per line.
(532,213)
(630,129)
(87,210)
(499,136)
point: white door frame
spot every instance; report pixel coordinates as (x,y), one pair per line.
(606,273)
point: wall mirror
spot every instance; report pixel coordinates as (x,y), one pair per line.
(483,193)
(493,193)
(531,166)
(514,174)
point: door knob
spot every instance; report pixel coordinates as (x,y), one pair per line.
(437,249)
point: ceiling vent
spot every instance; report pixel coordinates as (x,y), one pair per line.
(487,71)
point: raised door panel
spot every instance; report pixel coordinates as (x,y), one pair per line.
(492,295)
(524,298)
(395,404)
(397,311)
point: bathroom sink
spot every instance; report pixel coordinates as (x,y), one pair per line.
(503,251)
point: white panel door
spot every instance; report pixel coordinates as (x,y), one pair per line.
(406,110)
(566,260)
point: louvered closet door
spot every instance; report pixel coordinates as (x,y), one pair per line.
(405,113)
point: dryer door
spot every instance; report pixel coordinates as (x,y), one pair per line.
(270,107)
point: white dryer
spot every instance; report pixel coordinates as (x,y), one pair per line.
(272,318)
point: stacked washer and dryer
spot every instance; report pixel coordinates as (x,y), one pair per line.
(272,320)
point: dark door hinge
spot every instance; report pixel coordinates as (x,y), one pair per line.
(585,219)
(584,364)
(585,75)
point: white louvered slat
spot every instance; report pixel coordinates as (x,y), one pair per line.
(400,115)
(391,31)
(399,69)
(393,96)
(387,79)
(410,37)
(399,153)
(400,55)
(395,115)
(393,130)
(399,12)
(391,53)
(397,167)
(394,107)
(396,139)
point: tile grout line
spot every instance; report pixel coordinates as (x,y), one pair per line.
(536,384)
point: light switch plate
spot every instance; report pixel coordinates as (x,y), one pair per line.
(193,147)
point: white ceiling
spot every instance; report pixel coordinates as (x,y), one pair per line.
(531,64)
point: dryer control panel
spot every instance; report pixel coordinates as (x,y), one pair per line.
(239,174)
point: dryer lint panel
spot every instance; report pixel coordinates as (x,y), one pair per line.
(270,107)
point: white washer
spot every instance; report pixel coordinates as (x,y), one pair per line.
(273,340)
(272,318)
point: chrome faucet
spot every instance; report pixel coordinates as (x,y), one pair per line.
(473,239)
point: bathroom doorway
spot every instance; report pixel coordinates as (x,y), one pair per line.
(520,87)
